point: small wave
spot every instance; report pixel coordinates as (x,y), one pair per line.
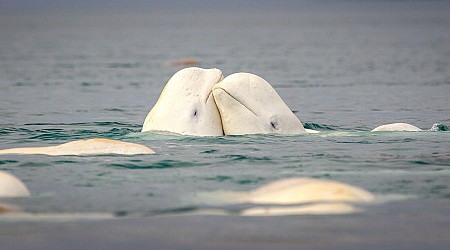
(7,162)
(242,180)
(88,84)
(23,84)
(10,130)
(122,65)
(71,131)
(238,157)
(318,126)
(174,211)
(49,136)
(114,110)
(439,127)
(211,151)
(249,180)
(219,178)
(87,124)
(65,162)
(155,165)
(34,164)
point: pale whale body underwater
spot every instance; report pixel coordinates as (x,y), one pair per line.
(201,102)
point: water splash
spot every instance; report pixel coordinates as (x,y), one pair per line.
(439,127)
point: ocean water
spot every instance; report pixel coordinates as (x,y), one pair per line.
(344,67)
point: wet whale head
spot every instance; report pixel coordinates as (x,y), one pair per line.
(186,105)
(248,104)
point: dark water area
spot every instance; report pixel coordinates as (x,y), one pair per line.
(70,72)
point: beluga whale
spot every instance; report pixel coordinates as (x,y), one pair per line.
(295,196)
(406,127)
(11,186)
(186,105)
(396,127)
(95,146)
(248,104)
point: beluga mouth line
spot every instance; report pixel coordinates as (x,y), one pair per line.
(209,96)
(228,93)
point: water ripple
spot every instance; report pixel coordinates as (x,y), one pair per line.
(238,157)
(70,131)
(156,165)
(318,126)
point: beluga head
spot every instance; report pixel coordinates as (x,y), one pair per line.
(249,105)
(186,105)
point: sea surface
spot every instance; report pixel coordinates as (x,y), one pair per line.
(343,67)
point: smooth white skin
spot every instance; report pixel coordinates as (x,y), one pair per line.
(296,196)
(249,105)
(11,186)
(186,105)
(96,146)
(305,190)
(396,127)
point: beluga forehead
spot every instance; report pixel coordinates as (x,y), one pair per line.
(191,83)
(186,105)
(248,104)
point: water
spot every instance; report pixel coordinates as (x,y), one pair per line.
(342,67)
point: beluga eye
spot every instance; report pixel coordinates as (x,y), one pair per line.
(195,112)
(274,125)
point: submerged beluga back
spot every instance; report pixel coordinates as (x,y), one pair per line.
(249,105)
(186,105)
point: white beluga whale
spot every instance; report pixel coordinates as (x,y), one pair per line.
(296,196)
(408,127)
(396,127)
(186,105)
(95,146)
(303,190)
(249,105)
(11,186)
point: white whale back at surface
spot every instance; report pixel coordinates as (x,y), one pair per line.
(96,146)
(305,190)
(396,127)
(11,186)
(295,196)
(249,105)
(186,105)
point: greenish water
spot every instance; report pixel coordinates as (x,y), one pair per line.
(343,68)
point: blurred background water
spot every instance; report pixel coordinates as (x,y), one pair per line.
(94,69)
